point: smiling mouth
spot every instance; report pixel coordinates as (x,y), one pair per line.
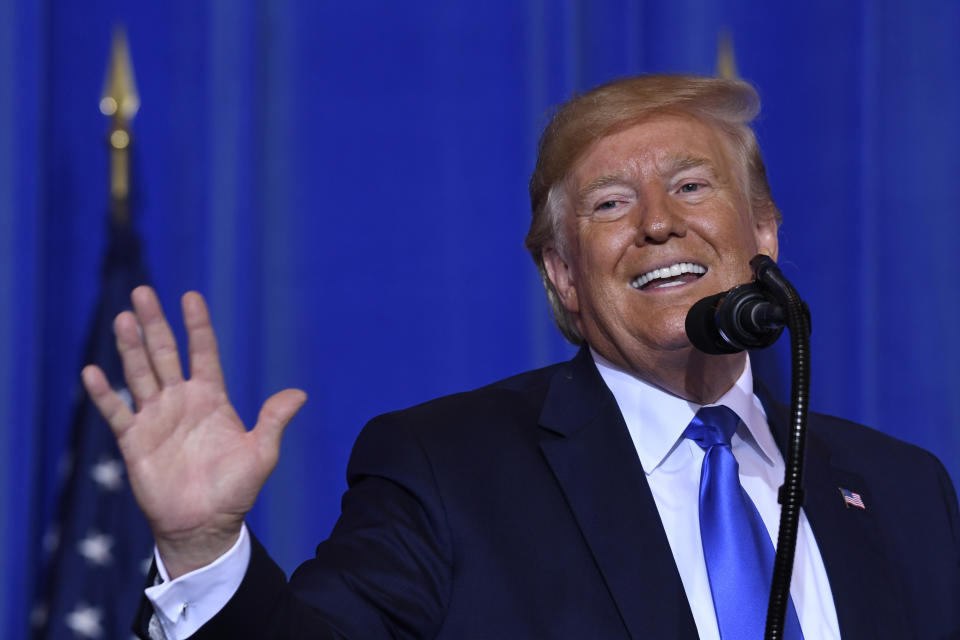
(674,275)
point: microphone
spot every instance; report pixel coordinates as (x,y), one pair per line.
(752,316)
(745,317)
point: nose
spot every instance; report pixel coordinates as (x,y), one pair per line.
(659,220)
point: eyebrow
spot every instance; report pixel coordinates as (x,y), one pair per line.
(678,164)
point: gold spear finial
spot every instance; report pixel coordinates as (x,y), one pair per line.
(120,103)
(726,63)
(119,88)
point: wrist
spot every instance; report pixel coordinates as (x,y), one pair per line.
(182,554)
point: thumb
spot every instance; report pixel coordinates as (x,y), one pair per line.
(276,412)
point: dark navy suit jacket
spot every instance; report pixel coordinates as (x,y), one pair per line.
(520,510)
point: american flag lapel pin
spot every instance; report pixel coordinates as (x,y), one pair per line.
(852,499)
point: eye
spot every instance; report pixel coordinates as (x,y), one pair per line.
(608,203)
(690,187)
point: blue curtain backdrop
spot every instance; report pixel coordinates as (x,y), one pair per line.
(346,183)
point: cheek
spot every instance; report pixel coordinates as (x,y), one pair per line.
(603,243)
(733,233)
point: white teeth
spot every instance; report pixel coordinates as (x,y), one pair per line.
(672,271)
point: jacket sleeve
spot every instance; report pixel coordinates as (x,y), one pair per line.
(385,571)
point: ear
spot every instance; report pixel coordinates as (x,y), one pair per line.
(765,231)
(560,275)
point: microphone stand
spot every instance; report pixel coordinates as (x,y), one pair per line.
(791,492)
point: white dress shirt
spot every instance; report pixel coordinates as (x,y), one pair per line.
(656,421)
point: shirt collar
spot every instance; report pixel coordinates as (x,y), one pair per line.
(657,419)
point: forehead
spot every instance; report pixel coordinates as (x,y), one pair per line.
(654,146)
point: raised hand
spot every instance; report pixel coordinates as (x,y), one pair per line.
(194,468)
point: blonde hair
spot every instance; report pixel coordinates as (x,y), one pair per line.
(728,105)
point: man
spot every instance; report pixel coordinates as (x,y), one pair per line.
(566,502)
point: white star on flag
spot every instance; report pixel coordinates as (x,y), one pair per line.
(96,548)
(84,621)
(108,474)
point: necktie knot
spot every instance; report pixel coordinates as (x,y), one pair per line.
(712,426)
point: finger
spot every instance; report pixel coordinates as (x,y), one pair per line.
(276,413)
(204,358)
(137,371)
(111,406)
(161,347)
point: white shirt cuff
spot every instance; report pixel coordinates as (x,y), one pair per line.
(184,605)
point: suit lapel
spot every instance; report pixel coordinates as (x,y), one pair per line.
(589,449)
(849,538)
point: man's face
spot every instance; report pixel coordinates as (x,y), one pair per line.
(656,220)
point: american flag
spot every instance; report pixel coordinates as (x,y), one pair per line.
(852,499)
(98,550)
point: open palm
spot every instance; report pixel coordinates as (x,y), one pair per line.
(194,468)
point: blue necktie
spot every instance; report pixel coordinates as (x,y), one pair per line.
(736,546)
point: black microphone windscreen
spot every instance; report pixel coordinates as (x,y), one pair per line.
(701,326)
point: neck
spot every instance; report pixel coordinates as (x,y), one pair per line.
(707,377)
